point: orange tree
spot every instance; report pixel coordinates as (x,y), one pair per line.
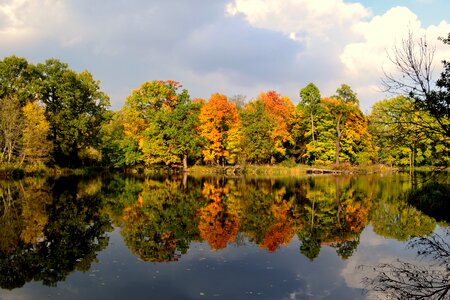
(219,125)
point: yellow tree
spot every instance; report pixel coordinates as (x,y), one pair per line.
(219,125)
(36,146)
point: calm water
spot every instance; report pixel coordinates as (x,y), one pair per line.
(117,237)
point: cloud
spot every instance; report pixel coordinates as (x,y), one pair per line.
(227,46)
(366,58)
(321,29)
(30,20)
(301,17)
(342,42)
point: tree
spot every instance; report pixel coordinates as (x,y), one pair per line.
(239,101)
(74,107)
(11,124)
(118,149)
(171,137)
(280,109)
(405,135)
(413,61)
(340,105)
(16,79)
(219,125)
(346,94)
(257,127)
(310,96)
(36,146)
(163,122)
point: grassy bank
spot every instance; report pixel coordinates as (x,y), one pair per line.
(291,170)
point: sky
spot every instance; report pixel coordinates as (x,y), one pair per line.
(233,47)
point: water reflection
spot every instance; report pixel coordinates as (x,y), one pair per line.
(427,279)
(53,227)
(48,230)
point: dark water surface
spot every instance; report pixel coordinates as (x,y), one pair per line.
(117,237)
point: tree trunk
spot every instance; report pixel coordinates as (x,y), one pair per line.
(185,163)
(338,138)
(312,130)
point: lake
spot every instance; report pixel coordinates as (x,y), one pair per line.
(138,237)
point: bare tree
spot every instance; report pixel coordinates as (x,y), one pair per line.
(413,77)
(413,62)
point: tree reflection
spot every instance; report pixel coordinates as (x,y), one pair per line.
(433,198)
(334,213)
(161,223)
(218,224)
(267,212)
(52,229)
(404,280)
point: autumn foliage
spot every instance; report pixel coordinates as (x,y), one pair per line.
(219,125)
(217,224)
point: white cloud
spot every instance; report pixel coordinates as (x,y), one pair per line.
(364,60)
(312,18)
(25,21)
(379,35)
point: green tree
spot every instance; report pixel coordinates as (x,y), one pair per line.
(310,98)
(16,79)
(406,136)
(339,109)
(257,127)
(74,106)
(171,137)
(340,106)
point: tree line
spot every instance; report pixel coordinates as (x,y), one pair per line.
(53,116)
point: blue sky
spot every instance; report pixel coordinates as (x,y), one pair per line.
(228,46)
(429,11)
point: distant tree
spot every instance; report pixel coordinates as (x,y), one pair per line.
(346,94)
(239,101)
(172,137)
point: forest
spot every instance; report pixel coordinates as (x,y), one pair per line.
(54,117)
